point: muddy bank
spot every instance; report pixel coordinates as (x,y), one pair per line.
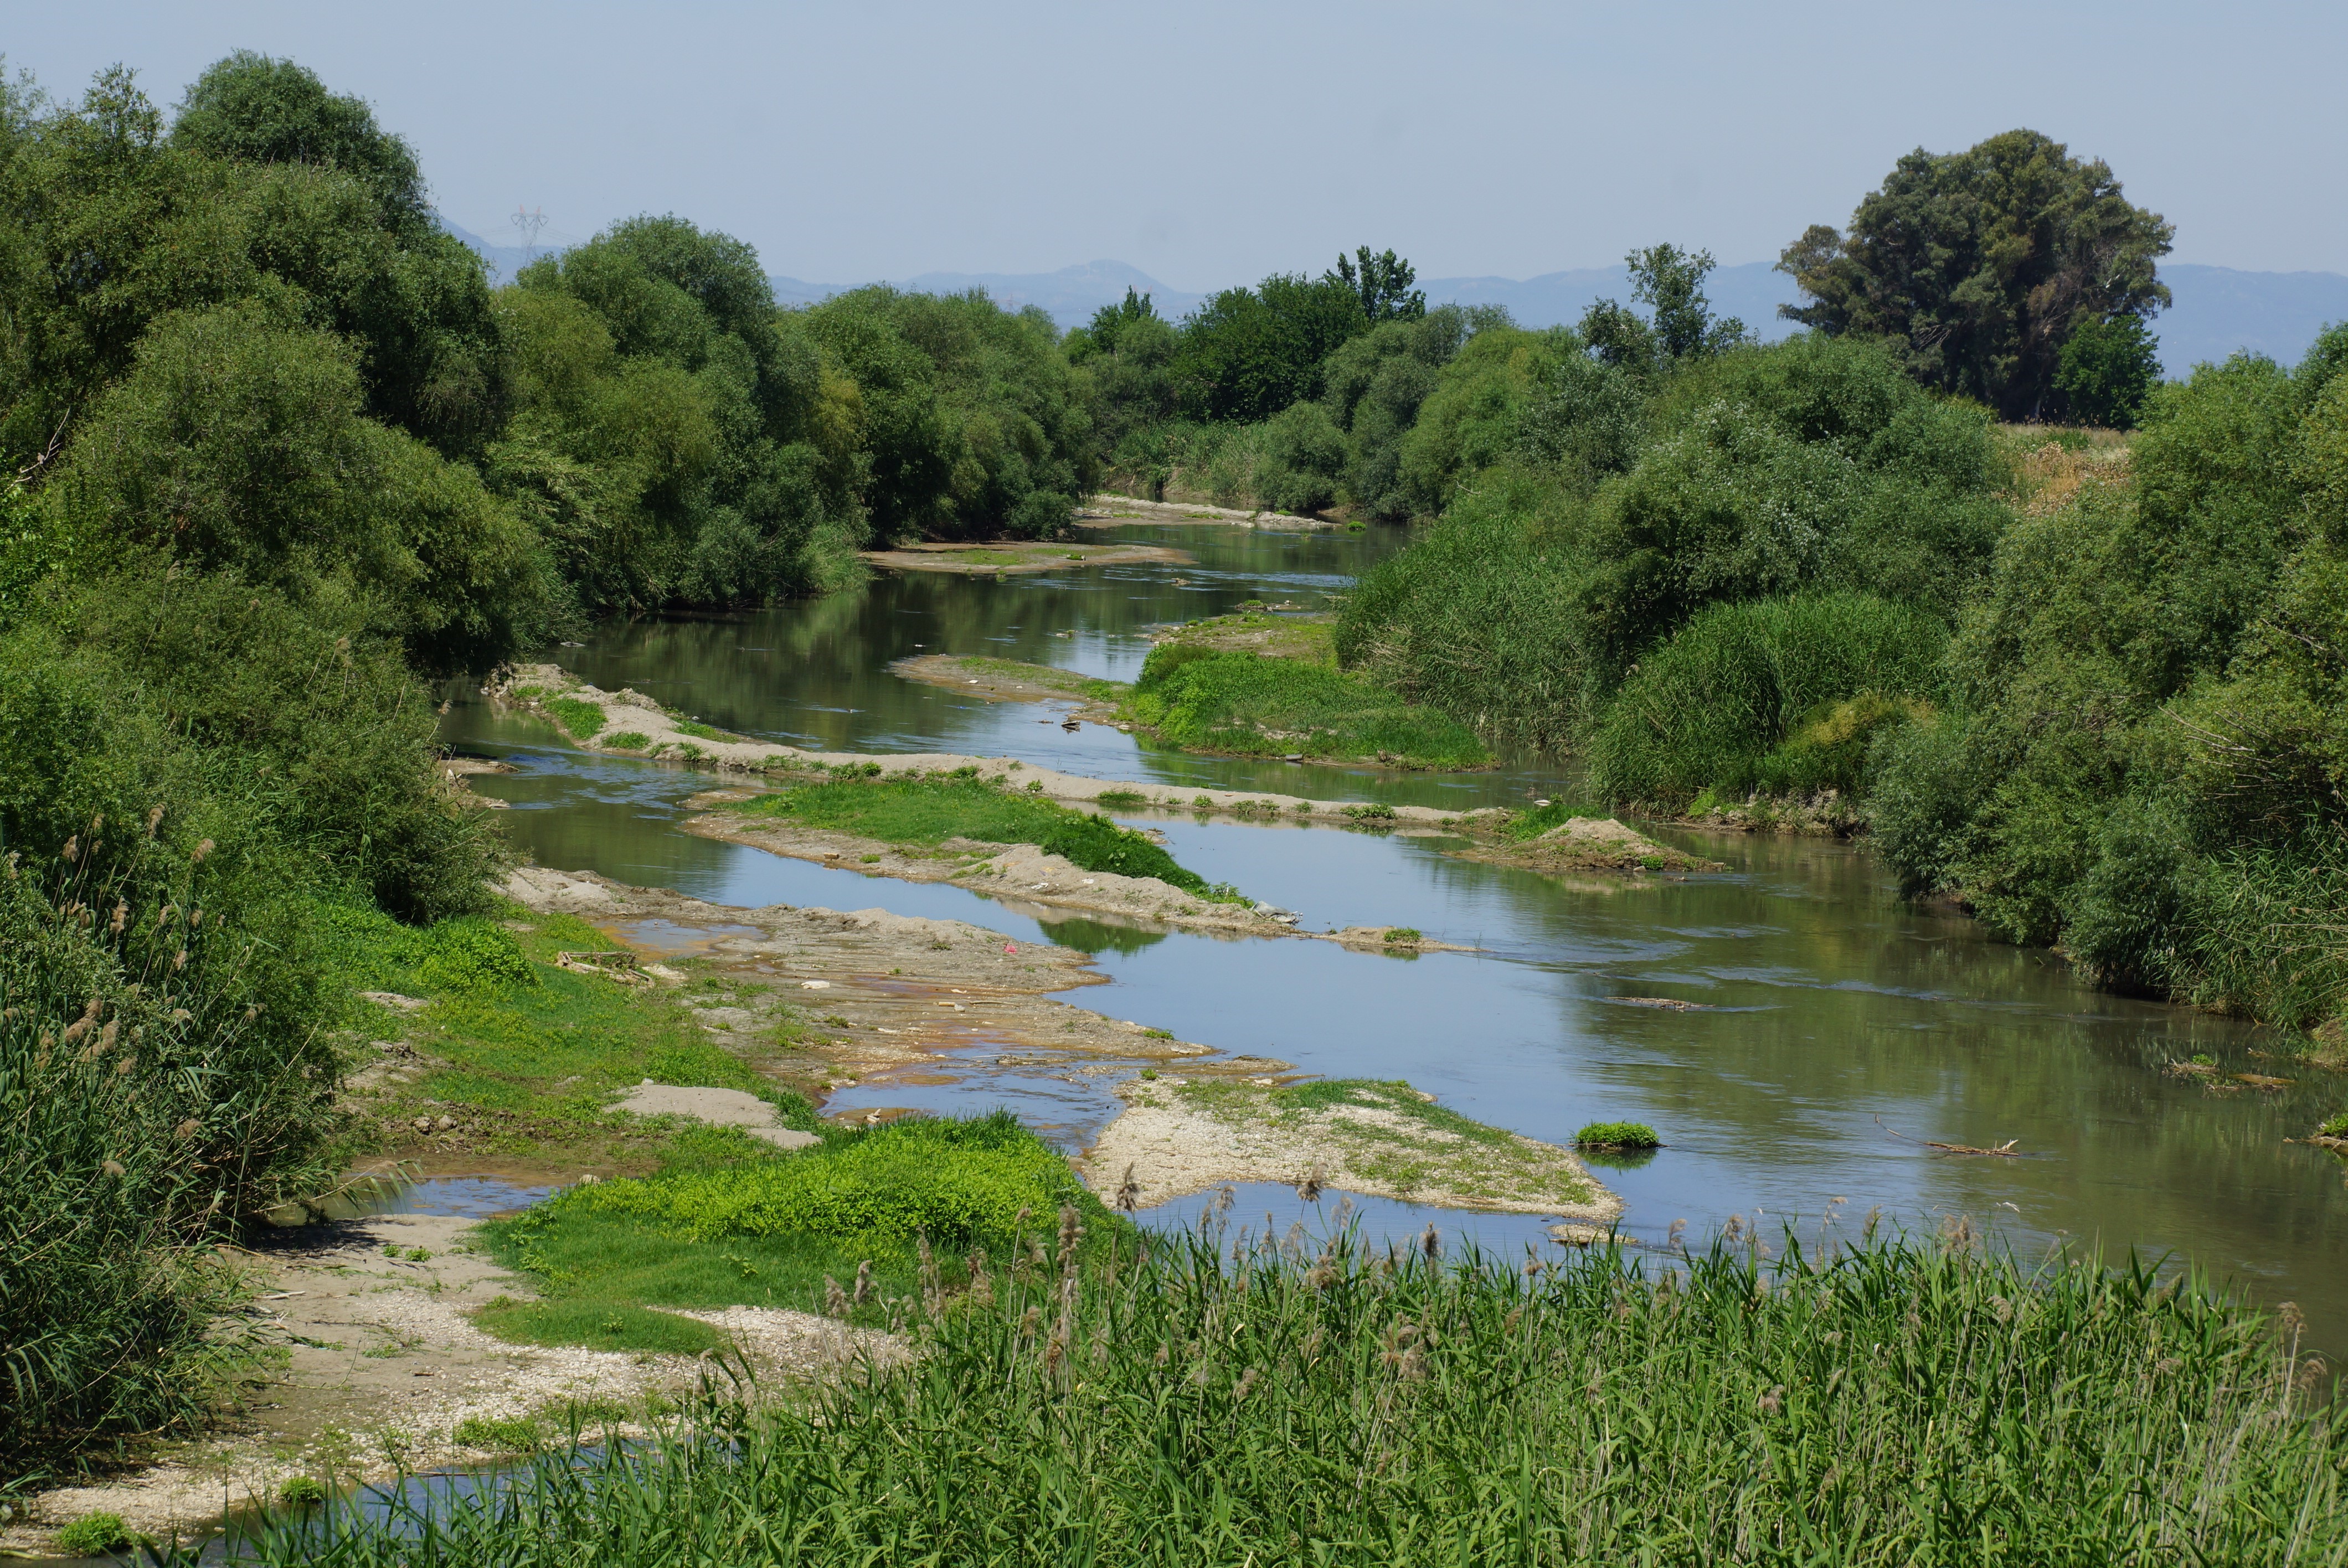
(1015,557)
(1024,874)
(1179,1135)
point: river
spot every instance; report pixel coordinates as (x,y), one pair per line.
(1836,1027)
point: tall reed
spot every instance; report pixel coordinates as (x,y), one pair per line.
(1901,1401)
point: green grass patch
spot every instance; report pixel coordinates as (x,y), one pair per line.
(598,1322)
(513,1434)
(628,741)
(1245,705)
(702,732)
(2335,1128)
(1617,1135)
(929,811)
(582,718)
(767,1229)
(1122,797)
(954,1180)
(1403,934)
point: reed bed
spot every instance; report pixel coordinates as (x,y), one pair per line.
(1253,1400)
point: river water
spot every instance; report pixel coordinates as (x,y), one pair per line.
(1838,1028)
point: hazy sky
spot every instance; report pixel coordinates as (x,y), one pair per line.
(1211,143)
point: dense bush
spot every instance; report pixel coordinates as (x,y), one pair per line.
(2143,756)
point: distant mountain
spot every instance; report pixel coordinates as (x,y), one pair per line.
(507,259)
(1068,296)
(2219,310)
(1750,291)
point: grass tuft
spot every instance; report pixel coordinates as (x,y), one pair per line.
(1617,1135)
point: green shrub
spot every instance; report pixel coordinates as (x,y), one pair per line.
(1403,934)
(1120,797)
(627,741)
(302,1491)
(1303,459)
(955,1181)
(95,1533)
(2335,1128)
(1778,694)
(1617,1135)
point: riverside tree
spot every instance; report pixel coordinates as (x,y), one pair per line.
(1978,266)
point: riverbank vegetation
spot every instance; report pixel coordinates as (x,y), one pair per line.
(1235,1398)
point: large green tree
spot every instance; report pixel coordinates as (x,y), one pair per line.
(1978,266)
(1247,354)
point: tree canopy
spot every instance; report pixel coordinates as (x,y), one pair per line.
(1978,266)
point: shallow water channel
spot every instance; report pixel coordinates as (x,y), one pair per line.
(1839,1026)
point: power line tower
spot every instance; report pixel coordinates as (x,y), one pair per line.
(527,222)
